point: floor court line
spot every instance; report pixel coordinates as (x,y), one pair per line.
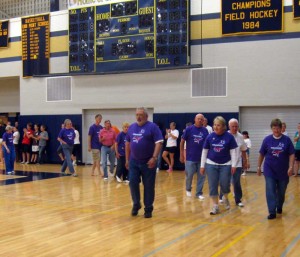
(237,239)
(290,246)
(166,245)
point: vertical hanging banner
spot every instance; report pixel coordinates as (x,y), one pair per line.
(251,16)
(3,33)
(297,9)
(35,45)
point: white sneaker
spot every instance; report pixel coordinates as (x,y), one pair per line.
(157,170)
(26,162)
(118,179)
(9,173)
(221,201)
(126,181)
(188,193)
(22,162)
(244,174)
(74,163)
(214,210)
(105,178)
(227,204)
(240,204)
(201,197)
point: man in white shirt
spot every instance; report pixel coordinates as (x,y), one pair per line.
(241,155)
(209,128)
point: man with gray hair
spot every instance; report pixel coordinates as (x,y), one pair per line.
(142,146)
(241,155)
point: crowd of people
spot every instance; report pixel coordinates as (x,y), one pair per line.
(219,154)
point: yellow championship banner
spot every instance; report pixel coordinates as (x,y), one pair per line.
(251,16)
(4,33)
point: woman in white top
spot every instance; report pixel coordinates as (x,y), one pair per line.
(171,136)
(248,143)
(16,138)
(76,147)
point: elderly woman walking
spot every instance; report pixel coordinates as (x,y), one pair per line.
(278,152)
(219,160)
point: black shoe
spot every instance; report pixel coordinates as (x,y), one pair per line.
(135,210)
(279,211)
(148,215)
(272,216)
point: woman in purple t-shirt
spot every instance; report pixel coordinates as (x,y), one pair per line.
(219,160)
(279,154)
(8,150)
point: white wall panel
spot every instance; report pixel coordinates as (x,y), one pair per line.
(59,21)
(208,6)
(257,120)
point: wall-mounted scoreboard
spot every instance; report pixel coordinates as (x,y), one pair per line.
(129,35)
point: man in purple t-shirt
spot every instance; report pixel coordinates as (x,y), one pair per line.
(194,136)
(143,144)
(94,144)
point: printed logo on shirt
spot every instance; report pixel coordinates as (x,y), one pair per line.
(218,147)
(277,150)
(70,136)
(136,137)
(198,138)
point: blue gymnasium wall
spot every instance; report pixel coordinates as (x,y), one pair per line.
(164,119)
(53,123)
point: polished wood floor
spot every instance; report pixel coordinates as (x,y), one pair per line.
(86,216)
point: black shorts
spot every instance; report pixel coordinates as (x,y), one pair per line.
(76,149)
(171,149)
(26,148)
(297,155)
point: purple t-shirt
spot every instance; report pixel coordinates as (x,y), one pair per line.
(8,139)
(195,138)
(219,147)
(276,153)
(67,135)
(142,141)
(94,133)
(121,139)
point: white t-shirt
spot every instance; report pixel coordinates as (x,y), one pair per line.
(171,141)
(241,147)
(76,139)
(209,129)
(248,142)
(16,137)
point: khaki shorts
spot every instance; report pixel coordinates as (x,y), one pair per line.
(96,154)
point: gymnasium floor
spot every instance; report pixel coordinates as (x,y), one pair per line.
(45,214)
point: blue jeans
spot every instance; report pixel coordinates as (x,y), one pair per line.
(190,169)
(106,150)
(9,158)
(136,172)
(42,150)
(237,188)
(236,182)
(67,150)
(218,174)
(275,193)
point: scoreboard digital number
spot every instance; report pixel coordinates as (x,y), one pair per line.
(35,45)
(130,35)
(81,40)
